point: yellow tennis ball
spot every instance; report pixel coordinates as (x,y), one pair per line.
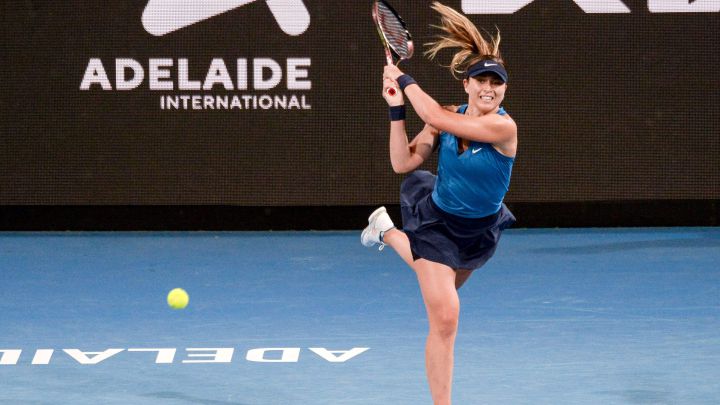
(178,298)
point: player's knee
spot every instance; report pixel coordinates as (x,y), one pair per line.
(444,321)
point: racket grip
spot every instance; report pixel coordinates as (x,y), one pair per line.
(391,91)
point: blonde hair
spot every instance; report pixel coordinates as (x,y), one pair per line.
(459,32)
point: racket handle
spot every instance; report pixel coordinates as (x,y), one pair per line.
(391,91)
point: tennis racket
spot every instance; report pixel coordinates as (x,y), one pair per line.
(393,33)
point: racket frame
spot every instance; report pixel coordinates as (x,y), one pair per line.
(390,53)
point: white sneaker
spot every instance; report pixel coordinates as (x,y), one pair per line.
(379,223)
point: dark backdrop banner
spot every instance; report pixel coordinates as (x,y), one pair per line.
(278,102)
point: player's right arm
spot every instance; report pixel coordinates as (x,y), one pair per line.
(407,156)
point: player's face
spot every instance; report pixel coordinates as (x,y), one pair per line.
(485,91)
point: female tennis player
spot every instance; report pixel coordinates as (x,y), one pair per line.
(451,222)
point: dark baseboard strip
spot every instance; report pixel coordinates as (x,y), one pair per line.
(228,218)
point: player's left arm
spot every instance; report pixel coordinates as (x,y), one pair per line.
(492,128)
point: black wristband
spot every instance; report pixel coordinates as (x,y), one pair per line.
(397,113)
(405,80)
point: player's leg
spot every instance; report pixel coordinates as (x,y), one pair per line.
(399,241)
(438,286)
(437,283)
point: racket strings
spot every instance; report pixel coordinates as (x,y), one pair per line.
(395,32)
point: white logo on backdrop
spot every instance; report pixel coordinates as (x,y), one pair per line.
(235,78)
(594,6)
(165,16)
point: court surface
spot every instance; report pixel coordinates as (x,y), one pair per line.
(569,316)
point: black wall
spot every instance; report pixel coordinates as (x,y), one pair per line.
(618,114)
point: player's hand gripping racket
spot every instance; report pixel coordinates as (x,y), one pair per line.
(393,34)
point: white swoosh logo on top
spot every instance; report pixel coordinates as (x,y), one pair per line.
(165,16)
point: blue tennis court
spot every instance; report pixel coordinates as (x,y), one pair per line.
(568,316)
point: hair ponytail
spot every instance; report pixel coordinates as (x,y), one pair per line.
(459,32)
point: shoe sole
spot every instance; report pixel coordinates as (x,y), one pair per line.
(376,214)
(371,218)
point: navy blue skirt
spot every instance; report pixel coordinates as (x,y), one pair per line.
(441,237)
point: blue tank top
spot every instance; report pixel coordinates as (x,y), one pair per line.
(473,183)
